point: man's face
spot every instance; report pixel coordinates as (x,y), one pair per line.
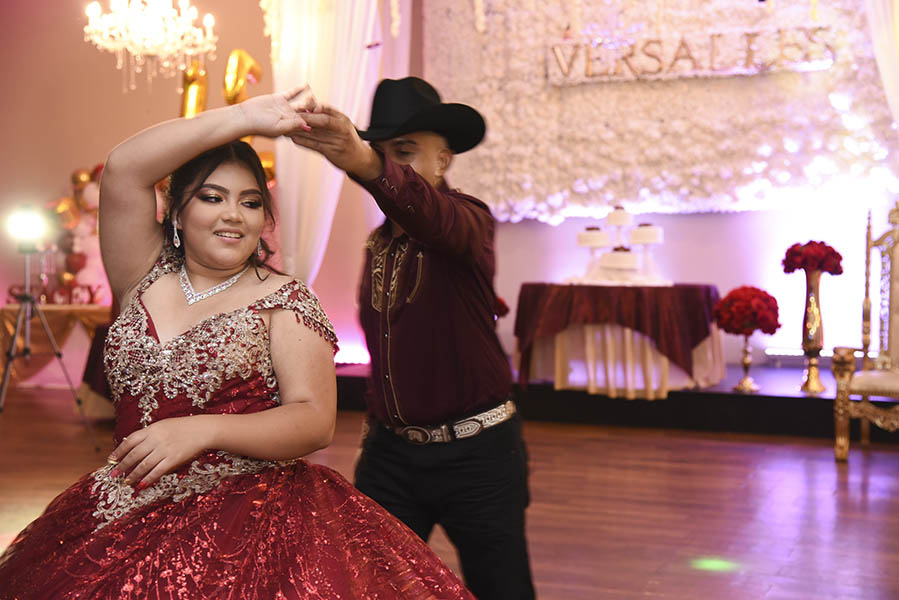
(426,152)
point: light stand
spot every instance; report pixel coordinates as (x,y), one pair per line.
(28,307)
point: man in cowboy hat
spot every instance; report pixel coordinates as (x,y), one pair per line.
(444,444)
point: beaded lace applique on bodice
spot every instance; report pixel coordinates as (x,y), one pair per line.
(220,365)
(196,364)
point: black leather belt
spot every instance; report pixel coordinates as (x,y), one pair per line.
(457,430)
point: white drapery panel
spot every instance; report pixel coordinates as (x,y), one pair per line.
(332,45)
(883,22)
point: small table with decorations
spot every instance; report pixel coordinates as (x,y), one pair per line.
(619,341)
(62,319)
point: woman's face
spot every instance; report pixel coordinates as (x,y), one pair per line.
(224,219)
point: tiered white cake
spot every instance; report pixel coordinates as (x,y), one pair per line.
(621,259)
(621,265)
(619,217)
(645,234)
(593,237)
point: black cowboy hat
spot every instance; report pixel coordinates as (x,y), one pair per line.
(412,104)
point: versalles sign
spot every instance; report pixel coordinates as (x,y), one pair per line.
(720,54)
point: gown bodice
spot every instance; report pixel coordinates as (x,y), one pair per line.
(220,365)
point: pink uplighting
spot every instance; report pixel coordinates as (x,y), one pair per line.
(352,354)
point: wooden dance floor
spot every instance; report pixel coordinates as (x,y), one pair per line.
(616,512)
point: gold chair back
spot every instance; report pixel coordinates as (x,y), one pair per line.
(888,305)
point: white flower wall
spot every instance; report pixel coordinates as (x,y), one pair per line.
(683,144)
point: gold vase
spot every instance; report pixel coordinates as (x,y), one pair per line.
(812,335)
(746,385)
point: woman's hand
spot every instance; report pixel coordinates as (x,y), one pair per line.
(149,453)
(279,114)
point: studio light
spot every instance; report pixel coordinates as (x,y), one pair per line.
(28,227)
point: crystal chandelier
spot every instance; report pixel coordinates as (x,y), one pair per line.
(150,36)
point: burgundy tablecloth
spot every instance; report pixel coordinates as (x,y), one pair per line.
(676,318)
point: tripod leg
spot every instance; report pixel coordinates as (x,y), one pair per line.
(11,355)
(87,424)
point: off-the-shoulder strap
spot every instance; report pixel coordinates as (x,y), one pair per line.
(298,298)
(168,261)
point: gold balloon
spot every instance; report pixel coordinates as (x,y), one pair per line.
(67,212)
(80,179)
(67,278)
(193,96)
(268,164)
(241,68)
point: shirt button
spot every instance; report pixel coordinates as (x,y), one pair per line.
(386,335)
(386,376)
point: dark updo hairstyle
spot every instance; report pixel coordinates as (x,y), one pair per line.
(190,177)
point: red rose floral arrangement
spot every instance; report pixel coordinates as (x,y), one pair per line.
(813,256)
(745,309)
(742,311)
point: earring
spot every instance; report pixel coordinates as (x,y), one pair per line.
(176,241)
(259,251)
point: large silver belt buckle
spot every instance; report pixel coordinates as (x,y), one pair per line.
(467,428)
(415,434)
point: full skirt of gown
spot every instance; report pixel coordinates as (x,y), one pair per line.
(222,526)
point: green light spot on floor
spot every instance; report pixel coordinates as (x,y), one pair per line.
(713,563)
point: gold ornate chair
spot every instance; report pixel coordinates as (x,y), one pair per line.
(879,376)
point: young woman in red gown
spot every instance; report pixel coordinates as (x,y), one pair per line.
(218,394)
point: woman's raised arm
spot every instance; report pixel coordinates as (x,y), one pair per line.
(130,237)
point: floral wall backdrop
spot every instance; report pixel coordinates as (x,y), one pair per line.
(665,106)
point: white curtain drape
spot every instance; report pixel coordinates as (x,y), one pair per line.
(328,44)
(883,22)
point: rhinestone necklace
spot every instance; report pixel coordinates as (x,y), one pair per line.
(193,296)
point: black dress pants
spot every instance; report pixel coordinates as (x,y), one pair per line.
(475,488)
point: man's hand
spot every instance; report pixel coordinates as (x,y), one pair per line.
(333,135)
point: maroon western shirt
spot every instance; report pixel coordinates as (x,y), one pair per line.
(426,304)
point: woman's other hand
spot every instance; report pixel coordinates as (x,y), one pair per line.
(149,453)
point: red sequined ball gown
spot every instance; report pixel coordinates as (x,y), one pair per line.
(222,526)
